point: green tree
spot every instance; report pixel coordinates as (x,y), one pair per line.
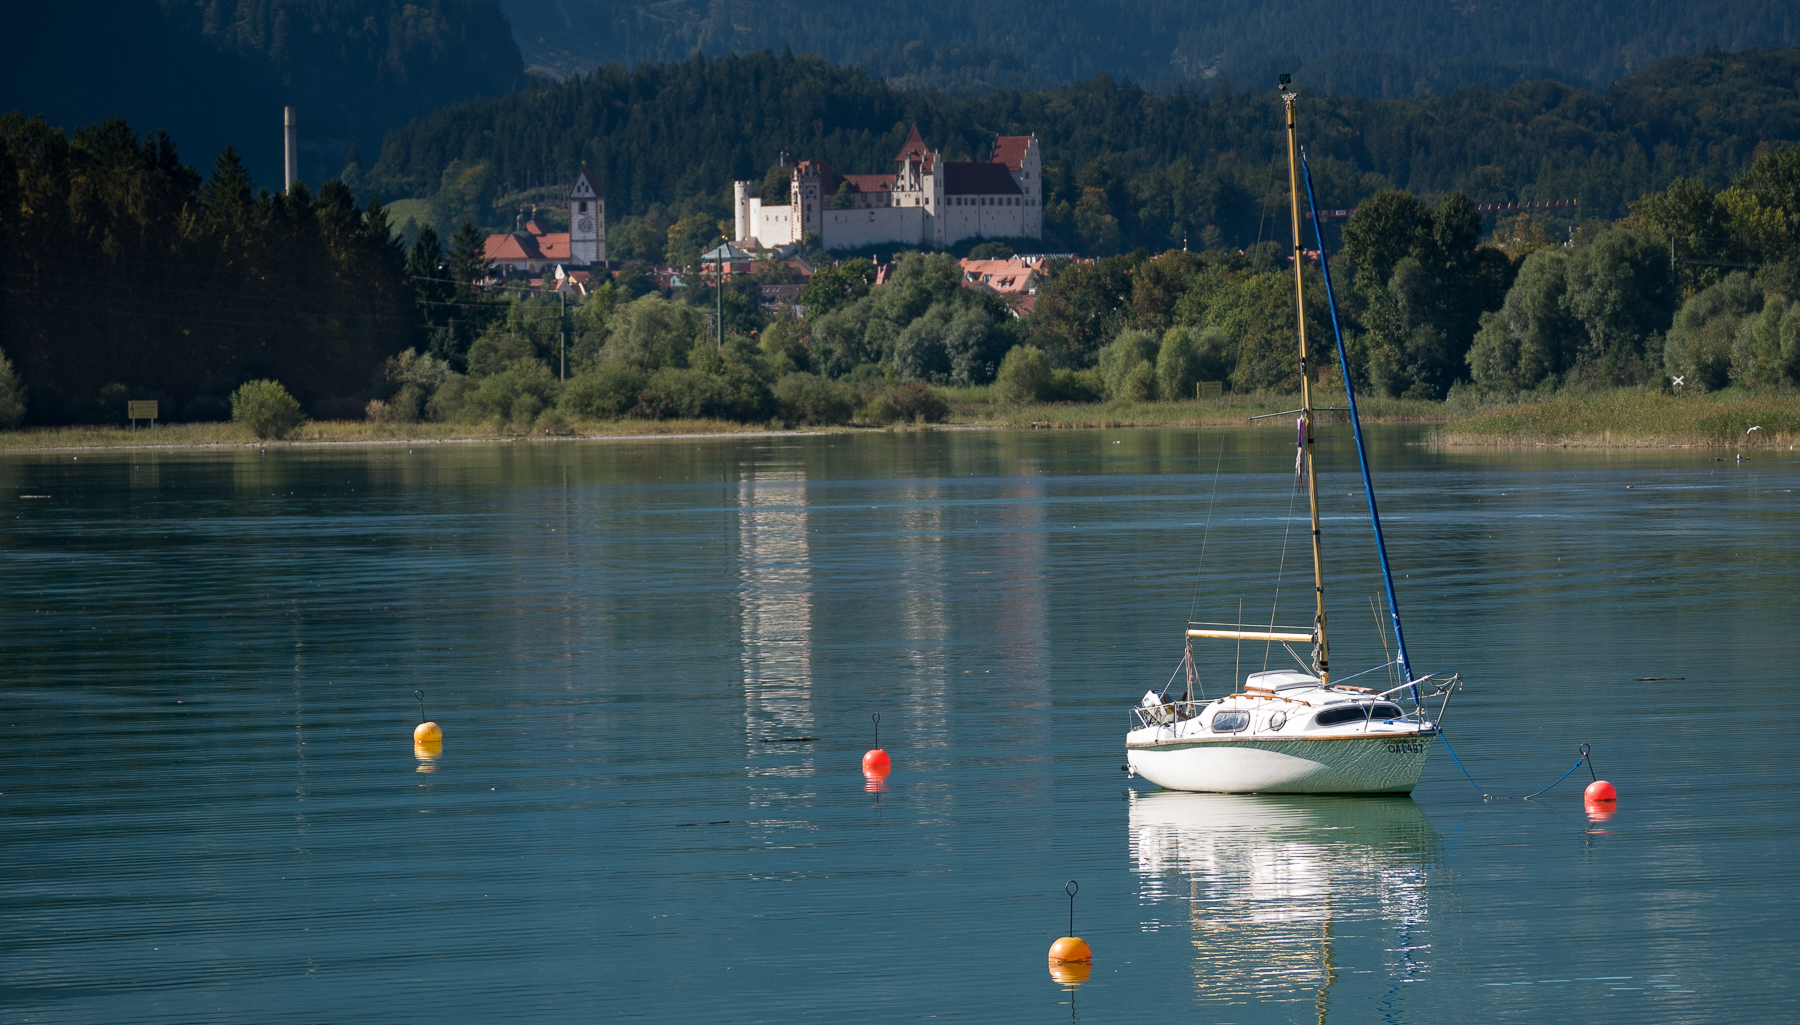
(653,332)
(1024,376)
(1128,366)
(1705,331)
(833,287)
(266,408)
(1190,355)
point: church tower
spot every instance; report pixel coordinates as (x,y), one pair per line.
(587,222)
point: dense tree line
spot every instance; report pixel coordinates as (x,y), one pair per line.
(214,73)
(1393,48)
(1127,168)
(132,277)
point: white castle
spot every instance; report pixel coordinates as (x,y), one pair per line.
(927,201)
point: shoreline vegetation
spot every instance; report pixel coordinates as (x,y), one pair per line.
(1622,418)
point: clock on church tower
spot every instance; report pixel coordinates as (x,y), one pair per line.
(587,221)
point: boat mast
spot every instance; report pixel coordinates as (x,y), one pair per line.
(1321,650)
(1362,451)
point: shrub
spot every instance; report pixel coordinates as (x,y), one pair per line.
(810,399)
(1127,366)
(494,351)
(553,421)
(685,393)
(266,408)
(1076,386)
(920,403)
(1190,355)
(1024,376)
(12,395)
(605,391)
(451,400)
(517,394)
(880,411)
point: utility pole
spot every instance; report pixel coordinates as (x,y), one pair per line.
(562,336)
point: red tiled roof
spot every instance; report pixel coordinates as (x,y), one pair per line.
(972,178)
(515,246)
(870,182)
(554,246)
(510,247)
(998,275)
(1010,150)
(914,146)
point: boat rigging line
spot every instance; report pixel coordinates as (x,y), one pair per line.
(1362,455)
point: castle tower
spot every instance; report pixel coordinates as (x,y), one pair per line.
(740,206)
(587,222)
(808,197)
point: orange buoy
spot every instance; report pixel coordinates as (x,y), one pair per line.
(428,733)
(1071,973)
(1600,791)
(1071,949)
(876,762)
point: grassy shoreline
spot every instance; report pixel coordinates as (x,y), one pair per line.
(1615,419)
(1629,419)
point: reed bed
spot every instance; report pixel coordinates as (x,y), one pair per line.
(1630,418)
(343,432)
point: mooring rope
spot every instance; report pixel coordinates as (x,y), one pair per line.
(1495,797)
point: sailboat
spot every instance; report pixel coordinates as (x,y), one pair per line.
(1293,732)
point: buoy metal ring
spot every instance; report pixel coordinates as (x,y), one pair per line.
(1071,887)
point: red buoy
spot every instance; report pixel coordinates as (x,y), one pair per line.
(1600,790)
(876,762)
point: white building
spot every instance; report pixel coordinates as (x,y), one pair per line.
(927,201)
(529,249)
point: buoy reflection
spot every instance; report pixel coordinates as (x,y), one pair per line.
(1600,811)
(1071,973)
(875,782)
(427,753)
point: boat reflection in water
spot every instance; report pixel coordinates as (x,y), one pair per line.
(1286,893)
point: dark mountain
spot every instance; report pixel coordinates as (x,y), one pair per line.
(1384,48)
(213,73)
(1157,167)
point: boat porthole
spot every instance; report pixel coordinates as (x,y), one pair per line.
(1278,720)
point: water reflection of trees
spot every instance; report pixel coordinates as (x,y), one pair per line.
(1272,883)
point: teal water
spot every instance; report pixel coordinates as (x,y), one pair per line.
(211,809)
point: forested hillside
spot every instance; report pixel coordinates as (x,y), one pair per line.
(1126,167)
(129,276)
(1385,48)
(215,74)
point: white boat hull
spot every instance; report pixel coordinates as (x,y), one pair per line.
(1386,763)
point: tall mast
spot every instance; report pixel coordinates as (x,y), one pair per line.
(1321,650)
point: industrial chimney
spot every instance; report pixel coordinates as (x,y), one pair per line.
(291,135)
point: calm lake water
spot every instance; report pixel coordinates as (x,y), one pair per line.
(211,809)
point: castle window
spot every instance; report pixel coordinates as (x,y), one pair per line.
(583,206)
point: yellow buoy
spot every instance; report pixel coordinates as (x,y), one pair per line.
(428,733)
(1071,949)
